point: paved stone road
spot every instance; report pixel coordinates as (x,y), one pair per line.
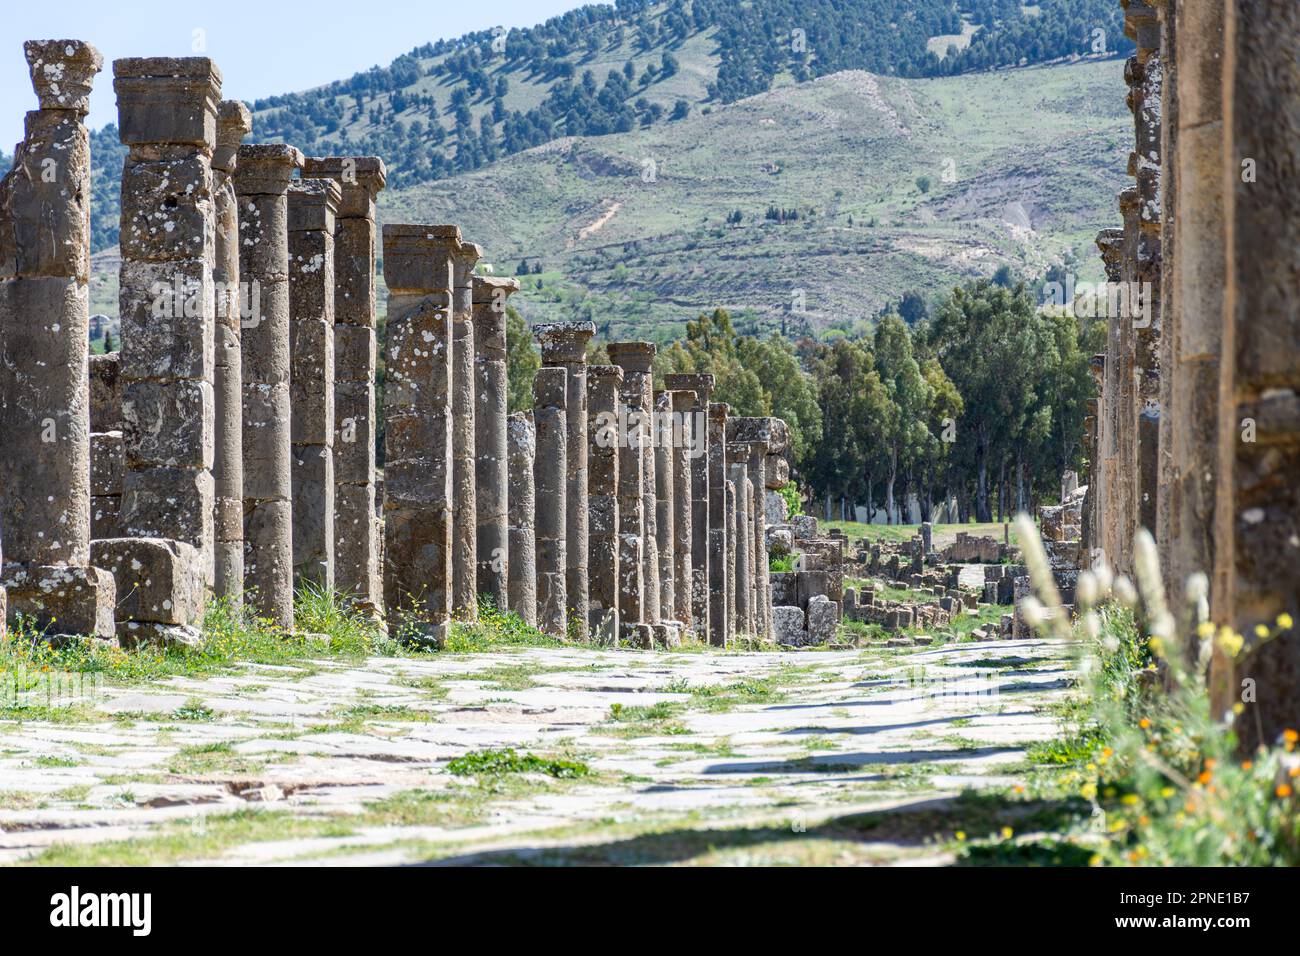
(695,757)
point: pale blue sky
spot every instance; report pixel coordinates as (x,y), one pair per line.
(271,46)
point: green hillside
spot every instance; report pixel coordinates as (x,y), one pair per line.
(637,231)
(460,104)
(1037,157)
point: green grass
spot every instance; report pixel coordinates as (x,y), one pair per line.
(507,760)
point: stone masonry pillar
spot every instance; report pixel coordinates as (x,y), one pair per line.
(356,525)
(313,204)
(762,605)
(565,346)
(604,384)
(550,466)
(521,447)
(167,116)
(1259,386)
(683,404)
(719,623)
(419,263)
(262,183)
(632,585)
(491,474)
(464,506)
(702,386)
(44,372)
(663,447)
(636,359)
(743,584)
(234,122)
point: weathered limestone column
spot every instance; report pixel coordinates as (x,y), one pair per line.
(564,346)
(107,464)
(636,359)
(464,500)
(683,404)
(762,602)
(663,429)
(262,182)
(313,204)
(702,386)
(521,446)
(1142,26)
(1259,386)
(550,395)
(732,494)
(633,592)
(1111,244)
(234,122)
(490,466)
(419,263)
(743,583)
(357,569)
(44,340)
(167,111)
(719,582)
(604,383)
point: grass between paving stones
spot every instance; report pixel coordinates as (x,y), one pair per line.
(508,760)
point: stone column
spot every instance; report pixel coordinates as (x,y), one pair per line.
(1109,497)
(44,339)
(262,183)
(419,263)
(762,602)
(565,346)
(550,468)
(702,386)
(743,583)
(663,430)
(1258,508)
(604,384)
(636,359)
(313,204)
(521,446)
(356,525)
(464,500)
(683,404)
(106,459)
(234,122)
(167,111)
(719,582)
(633,592)
(490,471)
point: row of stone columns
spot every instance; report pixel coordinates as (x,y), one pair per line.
(233,448)
(1197,434)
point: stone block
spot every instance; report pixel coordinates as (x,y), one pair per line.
(805,527)
(172,503)
(168,314)
(107,466)
(788,625)
(168,424)
(167,209)
(61,600)
(157,580)
(354,431)
(823,620)
(104,512)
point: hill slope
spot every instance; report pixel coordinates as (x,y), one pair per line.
(632,229)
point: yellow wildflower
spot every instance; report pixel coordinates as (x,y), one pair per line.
(1284,621)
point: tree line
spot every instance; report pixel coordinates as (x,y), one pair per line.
(981,401)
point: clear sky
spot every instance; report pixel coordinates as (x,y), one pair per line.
(261,48)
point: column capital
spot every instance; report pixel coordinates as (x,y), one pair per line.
(164,99)
(63,72)
(494,290)
(564,342)
(419,258)
(464,261)
(718,411)
(598,373)
(313,203)
(360,177)
(265,169)
(700,383)
(683,399)
(632,356)
(770,431)
(234,122)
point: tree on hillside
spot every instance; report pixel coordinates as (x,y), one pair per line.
(522,362)
(905,430)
